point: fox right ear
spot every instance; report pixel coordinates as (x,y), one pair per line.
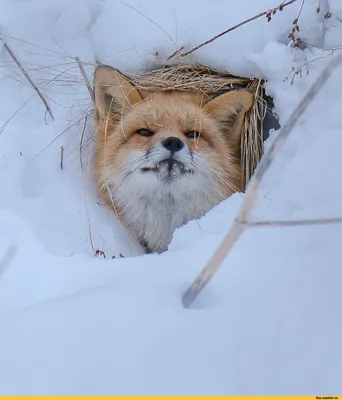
(114,93)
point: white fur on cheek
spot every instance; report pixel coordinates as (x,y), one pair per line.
(152,208)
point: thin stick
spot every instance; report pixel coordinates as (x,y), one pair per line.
(280,7)
(175,53)
(27,76)
(81,142)
(250,196)
(96,252)
(297,222)
(85,77)
(148,19)
(8,258)
(62,156)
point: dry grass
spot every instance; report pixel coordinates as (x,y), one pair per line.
(86,79)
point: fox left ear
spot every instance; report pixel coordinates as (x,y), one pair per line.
(229,109)
(114,93)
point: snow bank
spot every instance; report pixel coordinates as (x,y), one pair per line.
(269,322)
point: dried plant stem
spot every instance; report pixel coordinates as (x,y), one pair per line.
(296,222)
(7,258)
(27,76)
(241,221)
(62,157)
(85,77)
(280,7)
(175,53)
(95,252)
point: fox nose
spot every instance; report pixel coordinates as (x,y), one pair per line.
(173,144)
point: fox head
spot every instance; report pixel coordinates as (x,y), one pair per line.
(164,158)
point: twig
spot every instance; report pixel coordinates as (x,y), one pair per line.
(175,53)
(8,258)
(296,41)
(62,156)
(297,222)
(97,252)
(267,13)
(81,143)
(27,76)
(85,77)
(299,70)
(250,196)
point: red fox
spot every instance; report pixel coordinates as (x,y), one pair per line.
(164,158)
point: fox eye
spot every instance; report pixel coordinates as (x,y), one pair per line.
(144,132)
(192,134)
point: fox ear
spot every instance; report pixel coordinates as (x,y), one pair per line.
(229,109)
(114,93)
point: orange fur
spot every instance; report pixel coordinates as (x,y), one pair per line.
(122,110)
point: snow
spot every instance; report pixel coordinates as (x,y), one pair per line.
(73,323)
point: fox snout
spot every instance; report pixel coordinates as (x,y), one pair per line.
(168,146)
(173,144)
(170,157)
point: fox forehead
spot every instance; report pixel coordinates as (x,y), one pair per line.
(170,111)
(170,114)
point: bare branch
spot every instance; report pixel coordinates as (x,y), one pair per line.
(267,13)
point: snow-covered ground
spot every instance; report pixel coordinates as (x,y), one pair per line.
(270,322)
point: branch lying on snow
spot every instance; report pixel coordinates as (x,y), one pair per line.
(267,13)
(241,221)
(27,76)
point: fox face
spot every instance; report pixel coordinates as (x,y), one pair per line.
(164,158)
